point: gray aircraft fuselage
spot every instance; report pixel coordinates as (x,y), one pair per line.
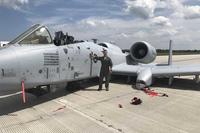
(36,60)
(48,64)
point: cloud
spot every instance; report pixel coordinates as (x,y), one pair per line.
(18,4)
(42,2)
(176,8)
(123,32)
(162,21)
(15,4)
(157,21)
(92,22)
(47,20)
(192,12)
(142,8)
(182,10)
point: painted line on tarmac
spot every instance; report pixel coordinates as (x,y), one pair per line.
(14,94)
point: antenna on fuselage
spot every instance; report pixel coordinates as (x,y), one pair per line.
(95,40)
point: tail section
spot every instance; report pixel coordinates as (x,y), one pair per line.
(170,53)
(170,61)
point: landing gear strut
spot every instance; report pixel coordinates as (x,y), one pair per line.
(170,81)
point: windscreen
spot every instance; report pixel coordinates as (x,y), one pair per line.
(20,37)
(39,36)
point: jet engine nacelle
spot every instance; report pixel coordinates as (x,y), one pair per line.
(143,52)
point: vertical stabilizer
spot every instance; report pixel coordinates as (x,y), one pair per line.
(170,53)
(170,61)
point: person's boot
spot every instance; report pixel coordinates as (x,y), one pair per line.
(99,89)
(107,89)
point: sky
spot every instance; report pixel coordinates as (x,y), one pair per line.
(122,22)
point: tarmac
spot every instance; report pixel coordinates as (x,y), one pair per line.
(86,110)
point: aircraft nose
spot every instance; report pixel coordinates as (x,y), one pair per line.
(9,69)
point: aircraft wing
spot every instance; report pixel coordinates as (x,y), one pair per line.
(157,71)
(124,69)
(175,70)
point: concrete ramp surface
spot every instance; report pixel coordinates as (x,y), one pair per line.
(91,111)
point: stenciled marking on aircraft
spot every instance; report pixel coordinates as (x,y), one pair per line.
(77,74)
(47,72)
(65,50)
(72,68)
(69,65)
(8,73)
(51,59)
(58,70)
(94,59)
(40,71)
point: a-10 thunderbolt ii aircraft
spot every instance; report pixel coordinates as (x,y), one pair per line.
(37,60)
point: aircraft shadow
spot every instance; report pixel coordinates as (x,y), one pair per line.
(12,104)
(181,84)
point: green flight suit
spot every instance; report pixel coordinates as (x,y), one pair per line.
(106,62)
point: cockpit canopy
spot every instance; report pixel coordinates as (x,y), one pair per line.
(37,34)
(40,35)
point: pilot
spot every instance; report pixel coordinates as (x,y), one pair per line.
(106,69)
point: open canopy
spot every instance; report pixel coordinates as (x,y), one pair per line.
(37,34)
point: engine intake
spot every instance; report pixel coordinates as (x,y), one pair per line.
(143,52)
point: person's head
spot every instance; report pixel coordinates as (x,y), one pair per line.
(105,52)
